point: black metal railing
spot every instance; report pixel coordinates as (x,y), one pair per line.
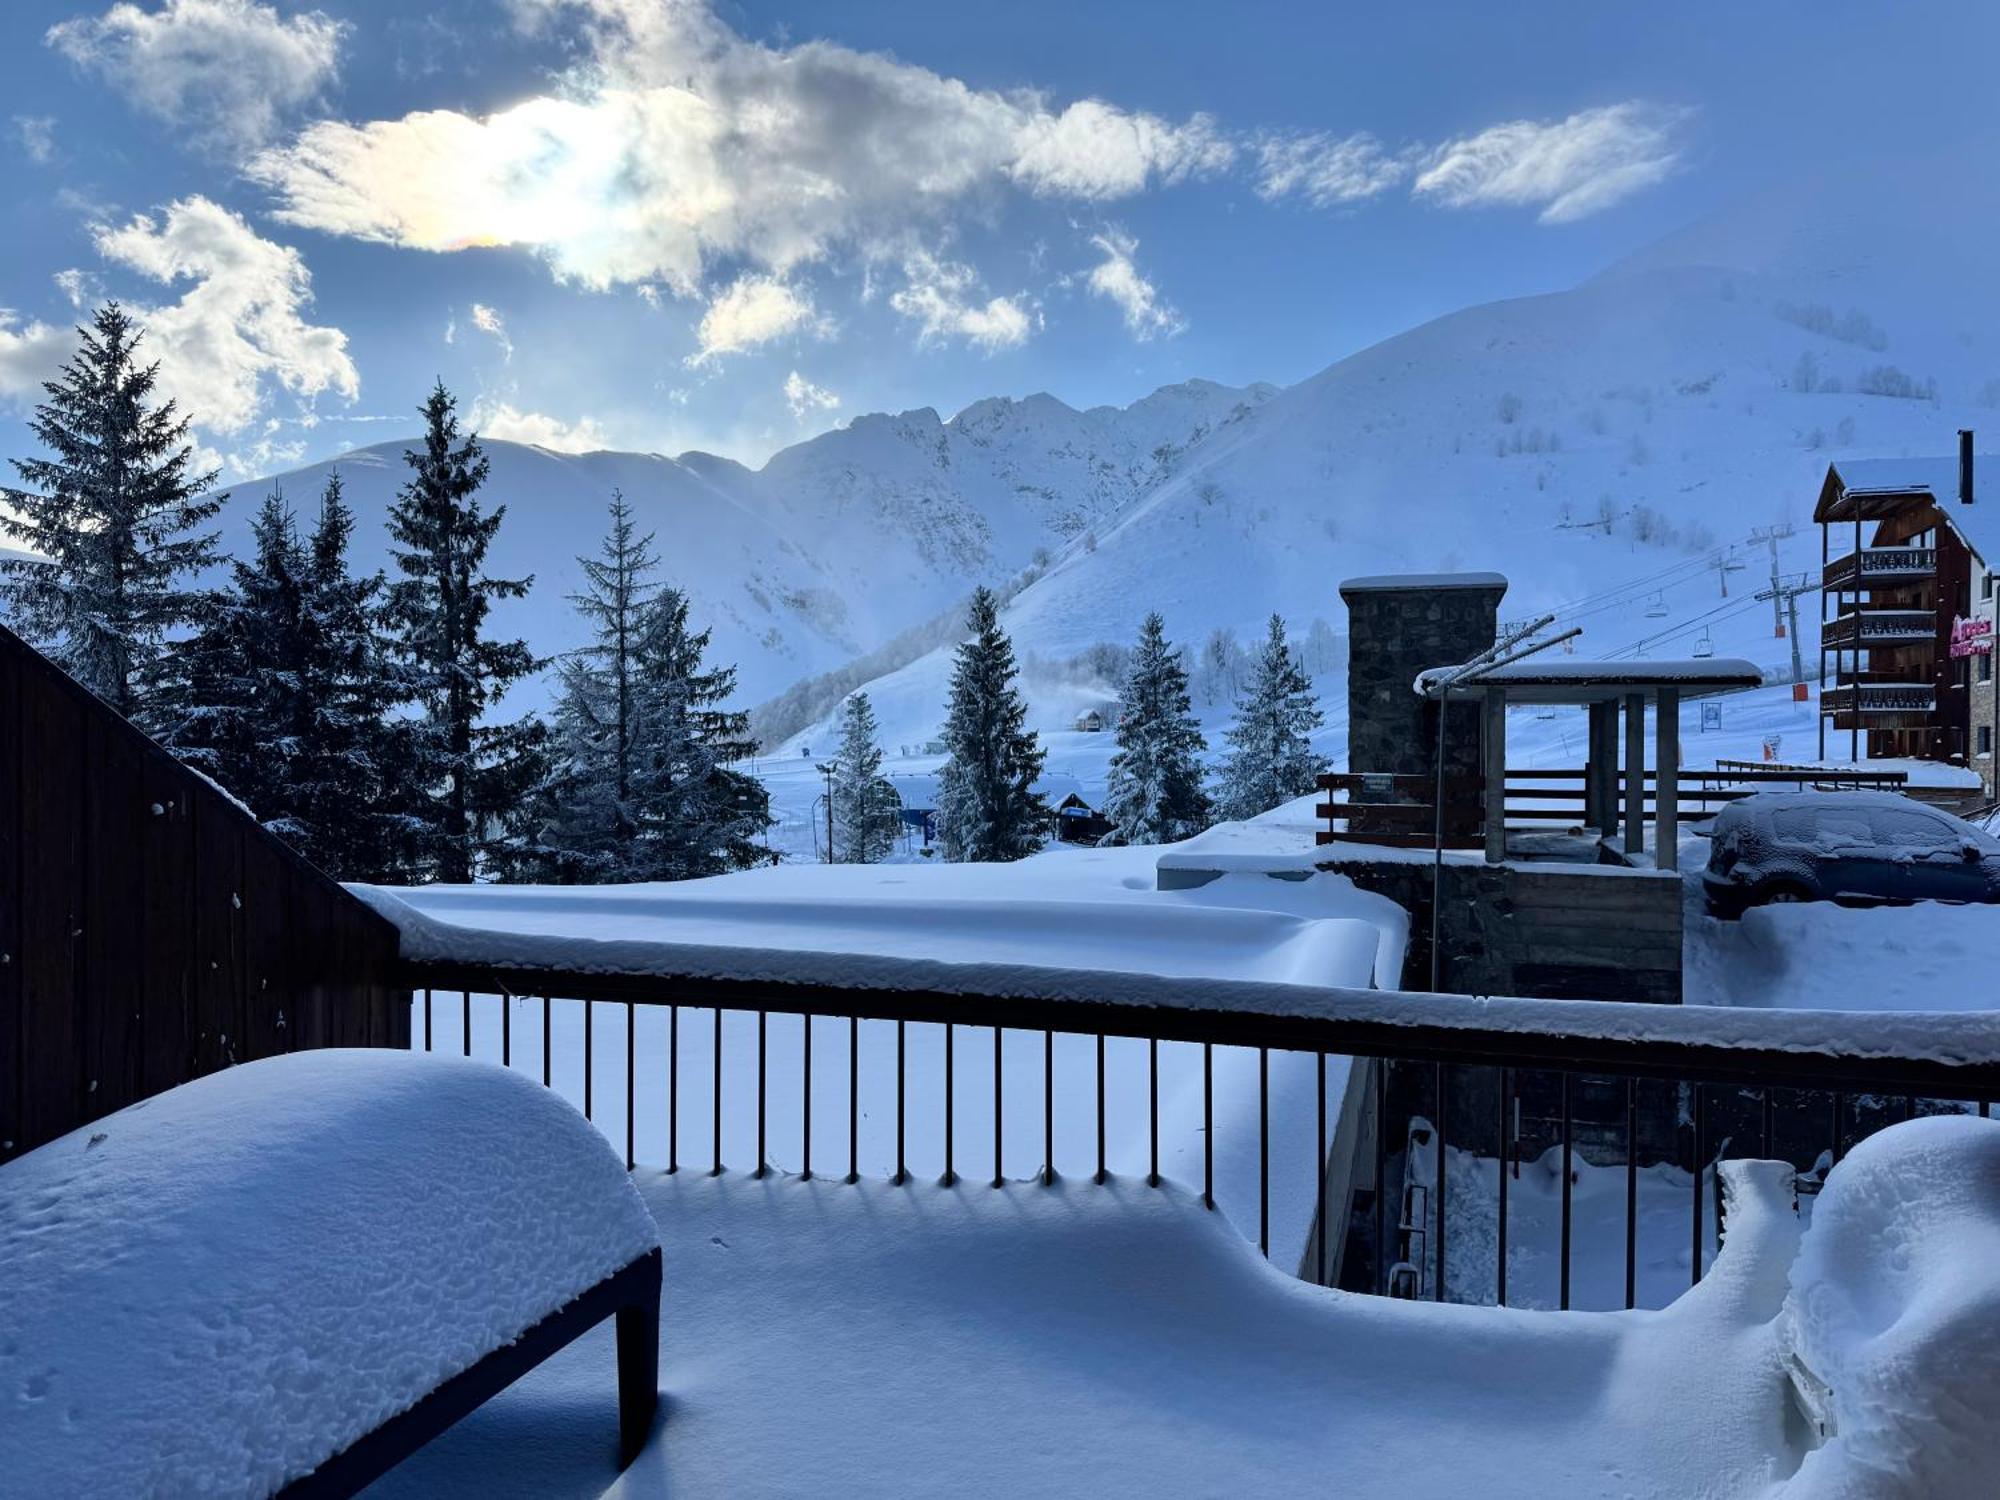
(1408,1094)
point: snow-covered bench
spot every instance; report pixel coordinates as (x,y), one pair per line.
(291,1274)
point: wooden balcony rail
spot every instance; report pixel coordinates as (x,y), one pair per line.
(1879,564)
(1867,627)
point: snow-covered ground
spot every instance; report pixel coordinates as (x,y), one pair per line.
(822,1339)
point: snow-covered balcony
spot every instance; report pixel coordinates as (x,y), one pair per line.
(1864,628)
(1877,693)
(1873,566)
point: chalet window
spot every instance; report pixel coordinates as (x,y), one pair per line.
(1985,667)
(1985,739)
(1986,587)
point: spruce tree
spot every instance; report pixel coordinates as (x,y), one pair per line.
(116,509)
(1271,758)
(586,820)
(475,776)
(1155,794)
(987,806)
(865,804)
(696,814)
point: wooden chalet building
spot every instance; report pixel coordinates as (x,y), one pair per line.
(1909,549)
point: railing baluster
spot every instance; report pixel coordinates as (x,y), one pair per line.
(1048,1108)
(1319,1178)
(1207,1125)
(1631,1192)
(465,1021)
(631,1075)
(1381,1184)
(589,1054)
(1264,1152)
(853,1099)
(1839,1110)
(763,1075)
(506,1030)
(427,1019)
(806,1112)
(673,1088)
(1764,1133)
(902,1137)
(716,1170)
(999,1165)
(1153,1109)
(1437,1198)
(1694,1234)
(949,1175)
(1100,1108)
(1562,1300)
(1500,1252)
(547,1076)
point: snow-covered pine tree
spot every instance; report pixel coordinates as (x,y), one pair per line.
(1271,758)
(475,775)
(987,807)
(585,822)
(697,815)
(116,508)
(1155,793)
(865,804)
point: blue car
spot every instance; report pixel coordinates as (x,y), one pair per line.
(1857,847)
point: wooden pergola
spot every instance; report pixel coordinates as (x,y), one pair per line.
(1614,692)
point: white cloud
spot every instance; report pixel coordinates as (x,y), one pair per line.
(229,70)
(37,135)
(30,353)
(488,321)
(684,144)
(240,327)
(79,287)
(1568,168)
(1117,277)
(805,398)
(752,310)
(508,423)
(940,299)
(1326,169)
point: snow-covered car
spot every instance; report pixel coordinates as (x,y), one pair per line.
(1845,846)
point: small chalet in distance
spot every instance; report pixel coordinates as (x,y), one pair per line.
(1908,552)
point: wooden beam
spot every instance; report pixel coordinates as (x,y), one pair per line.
(1635,772)
(1667,785)
(1493,740)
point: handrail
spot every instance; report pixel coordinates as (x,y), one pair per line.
(1932,1055)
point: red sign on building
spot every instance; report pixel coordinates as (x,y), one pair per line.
(1971,637)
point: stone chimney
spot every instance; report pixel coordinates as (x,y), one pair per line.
(1399,625)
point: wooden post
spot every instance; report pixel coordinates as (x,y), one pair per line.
(1635,772)
(1667,782)
(1493,740)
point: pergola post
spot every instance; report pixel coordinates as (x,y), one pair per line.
(1493,741)
(1601,775)
(1635,772)
(1667,783)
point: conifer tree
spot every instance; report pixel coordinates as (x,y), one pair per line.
(1155,793)
(586,821)
(116,509)
(987,806)
(1271,758)
(696,814)
(865,804)
(473,774)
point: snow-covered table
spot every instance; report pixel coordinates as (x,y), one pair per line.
(295,1272)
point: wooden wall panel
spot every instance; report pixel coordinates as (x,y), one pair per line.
(50,893)
(11,1049)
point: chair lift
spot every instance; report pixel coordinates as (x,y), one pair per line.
(1657,610)
(1703,645)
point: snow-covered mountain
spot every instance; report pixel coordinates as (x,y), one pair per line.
(836,544)
(1609,448)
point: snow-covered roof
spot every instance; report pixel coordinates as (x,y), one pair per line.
(1852,482)
(214,1291)
(1375,582)
(1573,681)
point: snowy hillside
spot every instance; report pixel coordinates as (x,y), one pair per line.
(836,544)
(1608,448)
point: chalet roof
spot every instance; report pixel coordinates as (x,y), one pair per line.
(1577,682)
(1879,487)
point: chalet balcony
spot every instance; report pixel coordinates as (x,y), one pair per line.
(1880,567)
(1869,628)
(1873,693)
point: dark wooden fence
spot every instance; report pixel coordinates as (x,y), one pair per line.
(150,930)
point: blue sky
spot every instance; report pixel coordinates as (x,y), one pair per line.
(667,226)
